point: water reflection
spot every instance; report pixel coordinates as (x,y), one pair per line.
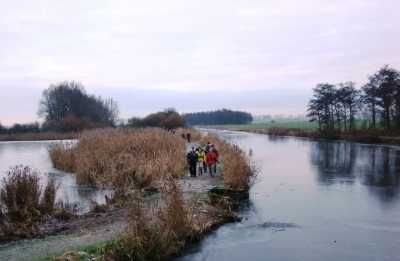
(344,162)
(334,161)
(381,167)
(342,197)
(375,167)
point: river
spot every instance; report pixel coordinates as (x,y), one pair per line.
(313,200)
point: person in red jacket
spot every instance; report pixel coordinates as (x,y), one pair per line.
(211,159)
(215,151)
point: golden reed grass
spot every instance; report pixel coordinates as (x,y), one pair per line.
(161,232)
(157,232)
(24,202)
(122,158)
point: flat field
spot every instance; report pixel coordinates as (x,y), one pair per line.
(272,124)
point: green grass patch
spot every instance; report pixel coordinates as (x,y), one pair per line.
(272,124)
(282,124)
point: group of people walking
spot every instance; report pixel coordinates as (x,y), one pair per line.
(202,160)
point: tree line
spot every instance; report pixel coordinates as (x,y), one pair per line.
(21,128)
(167,119)
(218,117)
(66,107)
(377,103)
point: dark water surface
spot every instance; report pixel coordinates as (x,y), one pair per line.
(35,154)
(314,200)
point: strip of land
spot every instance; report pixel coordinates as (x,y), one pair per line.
(159,205)
(309,130)
(96,228)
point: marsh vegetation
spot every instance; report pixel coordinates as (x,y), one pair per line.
(134,161)
(122,158)
(25,203)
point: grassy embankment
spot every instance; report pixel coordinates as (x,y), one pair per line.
(131,161)
(310,130)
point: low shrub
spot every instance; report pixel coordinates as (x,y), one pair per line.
(24,203)
(20,194)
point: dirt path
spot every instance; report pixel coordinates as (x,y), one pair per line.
(91,229)
(35,248)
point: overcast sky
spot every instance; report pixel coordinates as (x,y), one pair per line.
(260,56)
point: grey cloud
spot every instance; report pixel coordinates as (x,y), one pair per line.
(259,52)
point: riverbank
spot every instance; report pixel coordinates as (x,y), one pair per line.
(106,223)
(367,136)
(40,136)
(52,135)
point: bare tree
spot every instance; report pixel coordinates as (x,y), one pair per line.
(67,106)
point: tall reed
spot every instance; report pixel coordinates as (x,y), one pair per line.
(123,158)
(24,202)
(161,232)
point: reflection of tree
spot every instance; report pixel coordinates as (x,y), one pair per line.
(381,167)
(378,167)
(381,172)
(334,160)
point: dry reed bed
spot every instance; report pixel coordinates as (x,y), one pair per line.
(24,203)
(156,231)
(122,158)
(160,231)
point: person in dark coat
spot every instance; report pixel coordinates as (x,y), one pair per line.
(208,147)
(192,162)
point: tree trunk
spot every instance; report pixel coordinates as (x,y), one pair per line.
(373,116)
